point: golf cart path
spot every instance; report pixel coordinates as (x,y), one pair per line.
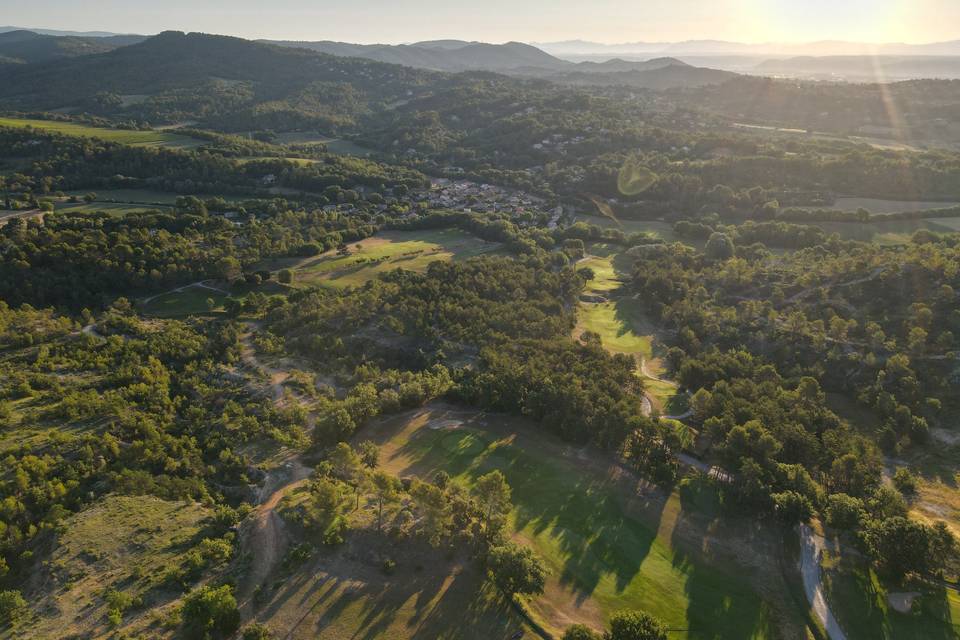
(811,549)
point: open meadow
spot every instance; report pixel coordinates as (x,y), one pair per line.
(122,543)
(411,250)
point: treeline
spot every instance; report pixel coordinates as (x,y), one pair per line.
(61,163)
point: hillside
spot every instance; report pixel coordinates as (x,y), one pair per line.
(445,55)
(197,76)
(670,74)
(27,47)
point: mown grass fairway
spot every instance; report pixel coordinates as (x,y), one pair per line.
(609,540)
(654,227)
(137,138)
(118,209)
(620,325)
(411,250)
(860,602)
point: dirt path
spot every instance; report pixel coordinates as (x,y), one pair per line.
(264,535)
(811,550)
(200,283)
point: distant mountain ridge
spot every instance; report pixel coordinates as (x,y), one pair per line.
(78,34)
(723,47)
(439,55)
(26,47)
(517,58)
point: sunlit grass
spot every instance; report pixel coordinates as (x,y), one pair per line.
(137,138)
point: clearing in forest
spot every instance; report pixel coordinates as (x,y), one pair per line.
(609,540)
(411,250)
(126,543)
(124,136)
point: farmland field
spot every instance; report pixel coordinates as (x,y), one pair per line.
(609,540)
(411,250)
(124,136)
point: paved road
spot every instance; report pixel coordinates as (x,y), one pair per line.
(811,549)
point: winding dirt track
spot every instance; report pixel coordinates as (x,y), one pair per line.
(264,537)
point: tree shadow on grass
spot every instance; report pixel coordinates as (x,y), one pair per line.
(579,511)
(721,601)
(859,601)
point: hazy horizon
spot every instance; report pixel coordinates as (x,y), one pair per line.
(605,22)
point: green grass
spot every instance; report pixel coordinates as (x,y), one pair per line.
(183,303)
(131,196)
(859,600)
(618,322)
(121,542)
(605,547)
(118,209)
(605,278)
(137,138)
(605,319)
(888,231)
(411,250)
(655,227)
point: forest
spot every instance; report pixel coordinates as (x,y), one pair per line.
(521,358)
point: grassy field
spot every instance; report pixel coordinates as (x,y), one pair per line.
(137,138)
(118,209)
(622,328)
(888,231)
(609,541)
(655,227)
(183,303)
(411,250)
(874,205)
(122,542)
(860,602)
(131,196)
(616,334)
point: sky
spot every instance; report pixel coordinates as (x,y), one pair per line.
(610,21)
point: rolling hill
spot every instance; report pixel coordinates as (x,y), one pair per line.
(442,55)
(195,75)
(26,47)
